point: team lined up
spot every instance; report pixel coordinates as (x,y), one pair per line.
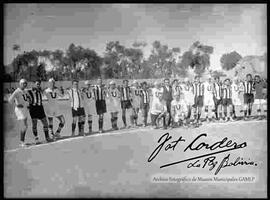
(176,104)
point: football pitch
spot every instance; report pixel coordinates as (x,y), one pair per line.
(115,164)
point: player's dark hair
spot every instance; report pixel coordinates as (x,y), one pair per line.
(125,80)
(75,80)
(37,81)
(248,75)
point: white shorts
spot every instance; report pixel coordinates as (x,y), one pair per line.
(179,116)
(136,102)
(114,105)
(52,110)
(260,101)
(208,101)
(236,102)
(90,108)
(21,113)
(189,98)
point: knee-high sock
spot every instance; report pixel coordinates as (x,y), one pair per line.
(73,127)
(124,119)
(23,135)
(100,123)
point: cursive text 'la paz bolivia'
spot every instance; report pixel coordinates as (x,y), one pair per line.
(166,143)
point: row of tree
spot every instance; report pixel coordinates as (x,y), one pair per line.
(118,62)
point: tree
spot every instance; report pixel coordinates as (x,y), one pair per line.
(229,60)
(162,59)
(197,57)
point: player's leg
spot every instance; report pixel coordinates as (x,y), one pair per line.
(73,125)
(34,128)
(132,116)
(115,120)
(136,116)
(206,111)
(50,121)
(245,107)
(220,110)
(61,124)
(231,111)
(224,108)
(81,122)
(112,120)
(100,123)
(90,122)
(251,101)
(124,116)
(45,128)
(23,128)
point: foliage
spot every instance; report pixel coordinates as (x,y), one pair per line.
(229,60)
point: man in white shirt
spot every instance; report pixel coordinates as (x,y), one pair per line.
(19,98)
(52,108)
(179,110)
(158,111)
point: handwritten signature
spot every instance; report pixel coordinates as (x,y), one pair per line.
(225,145)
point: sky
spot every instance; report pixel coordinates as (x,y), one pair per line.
(226,27)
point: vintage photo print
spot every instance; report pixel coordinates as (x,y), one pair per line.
(135,100)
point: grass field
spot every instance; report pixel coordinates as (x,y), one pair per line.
(114,164)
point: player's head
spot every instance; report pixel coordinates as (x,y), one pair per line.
(38,83)
(125,82)
(217,79)
(186,80)
(99,81)
(175,82)
(75,83)
(177,96)
(23,83)
(248,77)
(160,96)
(235,79)
(87,83)
(257,78)
(166,81)
(227,81)
(135,83)
(197,79)
(112,84)
(144,85)
(51,82)
(156,84)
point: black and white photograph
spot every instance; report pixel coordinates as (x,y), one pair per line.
(119,100)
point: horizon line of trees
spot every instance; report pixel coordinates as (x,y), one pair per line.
(118,62)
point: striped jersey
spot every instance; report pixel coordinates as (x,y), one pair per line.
(145,96)
(248,87)
(198,89)
(19,96)
(217,90)
(76,98)
(125,93)
(35,97)
(227,92)
(99,93)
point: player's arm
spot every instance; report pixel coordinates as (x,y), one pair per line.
(12,97)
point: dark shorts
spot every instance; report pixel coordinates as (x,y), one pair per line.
(37,112)
(248,98)
(145,108)
(101,107)
(77,113)
(217,101)
(126,104)
(226,102)
(198,101)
